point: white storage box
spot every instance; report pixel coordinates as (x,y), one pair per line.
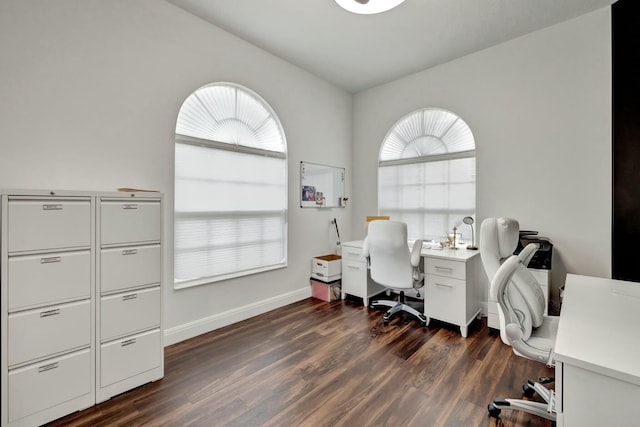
(326,268)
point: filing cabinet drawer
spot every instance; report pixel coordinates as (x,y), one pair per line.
(38,333)
(43,385)
(48,224)
(129,312)
(354,278)
(445,299)
(446,268)
(351,253)
(134,266)
(49,278)
(130,356)
(129,221)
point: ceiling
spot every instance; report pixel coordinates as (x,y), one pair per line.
(357,52)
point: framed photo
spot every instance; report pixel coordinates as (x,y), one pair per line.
(308,193)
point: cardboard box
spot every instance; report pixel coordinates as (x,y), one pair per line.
(326,291)
(326,268)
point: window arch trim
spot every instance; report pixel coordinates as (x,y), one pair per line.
(449,129)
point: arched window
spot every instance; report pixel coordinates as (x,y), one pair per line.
(427,174)
(230,186)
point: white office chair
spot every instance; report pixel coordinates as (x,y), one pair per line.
(523,324)
(393,266)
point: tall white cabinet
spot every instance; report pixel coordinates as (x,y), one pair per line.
(78,324)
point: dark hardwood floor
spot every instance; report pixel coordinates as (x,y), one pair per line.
(315,363)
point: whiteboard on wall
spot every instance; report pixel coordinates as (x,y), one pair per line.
(321,186)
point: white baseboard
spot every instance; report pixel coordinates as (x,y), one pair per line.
(210,323)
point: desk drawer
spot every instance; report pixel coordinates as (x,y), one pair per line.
(444,299)
(43,385)
(133,266)
(38,333)
(446,268)
(47,224)
(45,279)
(129,221)
(351,253)
(125,358)
(129,312)
(354,278)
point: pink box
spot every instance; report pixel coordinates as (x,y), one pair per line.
(326,291)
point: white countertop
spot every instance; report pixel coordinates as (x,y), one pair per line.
(460,254)
(599,327)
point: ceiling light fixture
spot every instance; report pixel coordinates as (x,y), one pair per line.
(368,7)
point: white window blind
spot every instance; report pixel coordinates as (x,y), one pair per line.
(427,174)
(230,193)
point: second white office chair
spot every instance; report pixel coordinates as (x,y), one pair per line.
(393,266)
(523,324)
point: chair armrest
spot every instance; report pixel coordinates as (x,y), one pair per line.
(416,253)
(527,253)
(365,253)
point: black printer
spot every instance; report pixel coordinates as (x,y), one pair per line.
(542,258)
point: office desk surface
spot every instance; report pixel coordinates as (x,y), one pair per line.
(460,254)
(599,327)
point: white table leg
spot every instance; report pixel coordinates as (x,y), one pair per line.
(463,331)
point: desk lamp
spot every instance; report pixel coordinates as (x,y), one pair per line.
(468,220)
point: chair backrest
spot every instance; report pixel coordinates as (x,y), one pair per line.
(388,252)
(518,307)
(498,240)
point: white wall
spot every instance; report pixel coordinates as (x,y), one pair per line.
(90,91)
(89,95)
(540,110)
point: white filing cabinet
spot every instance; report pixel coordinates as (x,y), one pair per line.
(81,301)
(543,278)
(355,277)
(48,321)
(130,293)
(453,283)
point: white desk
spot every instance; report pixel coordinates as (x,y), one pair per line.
(597,353)
(453,282)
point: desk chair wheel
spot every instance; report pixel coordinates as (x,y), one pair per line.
(423,320)
(527,390)
(494,411)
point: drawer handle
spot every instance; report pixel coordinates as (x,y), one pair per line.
(52,207)
(128,342)
(129,297)
(48,367)
(444,268)
(129,252)
(353,267)
(129,206)
(354,253)
(50,260)
(50,313)
(442,285)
